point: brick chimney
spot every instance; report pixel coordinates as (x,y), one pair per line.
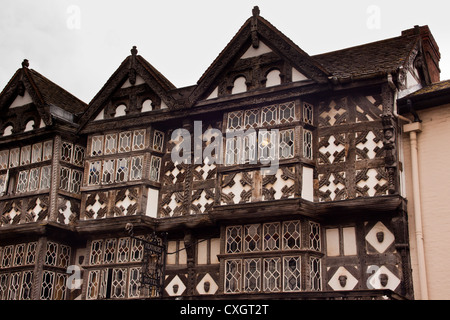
(430,50)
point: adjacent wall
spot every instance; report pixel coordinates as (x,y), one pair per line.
(434,174)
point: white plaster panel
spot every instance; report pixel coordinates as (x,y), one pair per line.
(332,242)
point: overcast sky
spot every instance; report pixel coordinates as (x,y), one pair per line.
(78,44)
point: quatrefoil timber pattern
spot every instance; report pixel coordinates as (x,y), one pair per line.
(332,148)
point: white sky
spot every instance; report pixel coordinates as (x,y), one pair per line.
(78,44)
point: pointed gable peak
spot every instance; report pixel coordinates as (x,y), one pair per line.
(259,46)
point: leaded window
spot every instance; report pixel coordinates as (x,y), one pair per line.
(252,275)
(291,235)
(96,252)
(292,274)
(307,144)
(111,143)
(134,283)
(249,148)
(25,155)
(51,254)
(75,181)
(33,183)
(252,238)
(233,271)
(269,116)
(118,283)
(97,146)
(287,112)
(251,118)
(14,286)
(138,139)
(232,151)
(46,173)
(64,178)
(286,144)
(47,151)
(3,182)
(93,284)
(108,171)
(78,155)
(66,151)
(4,159)
(267,144)
(64,256)
(94,173)
(122,170)
(27,284)
(271,236)
(136,168)
(3,285)
(22,181)
(7,256)
(137,250)
(109,251)
(272,274)
(47,285)
(155,167)
(314,236)
(59,290)
(316,274)
(158,141)
(125,141)
(307,113)
(14,155)
(234,121)
(31,253)
(19,254)
(234,239)
(123,250)
(36,153)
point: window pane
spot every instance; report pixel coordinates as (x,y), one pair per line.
(45,177)
(94,173)
(155,168)
(122,170)
(136,168)
(110,143)
(36,153)
(108,171)
(125,141)
(97,146)
(139,140)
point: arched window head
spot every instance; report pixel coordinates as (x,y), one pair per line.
(120,111)
(239,85)
(147,105)
(29,126)
(273,78)
(8,131)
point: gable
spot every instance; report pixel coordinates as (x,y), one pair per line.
(258,56)
(135,87)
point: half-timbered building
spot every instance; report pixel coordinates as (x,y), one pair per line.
(277,175)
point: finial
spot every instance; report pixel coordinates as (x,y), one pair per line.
(255,11)
(134,51)
(25,63)
(254,27)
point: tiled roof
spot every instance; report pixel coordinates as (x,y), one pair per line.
(52,94)
(432,88)
(372,58)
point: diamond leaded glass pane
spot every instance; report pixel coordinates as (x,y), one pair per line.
(286,144)
(292,276)
(291,235)
(252,275)
(252,238)
(233,276)
(234,239)
(314,236)
(315,274)
(272,274)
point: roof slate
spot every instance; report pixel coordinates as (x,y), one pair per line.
(371,58)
